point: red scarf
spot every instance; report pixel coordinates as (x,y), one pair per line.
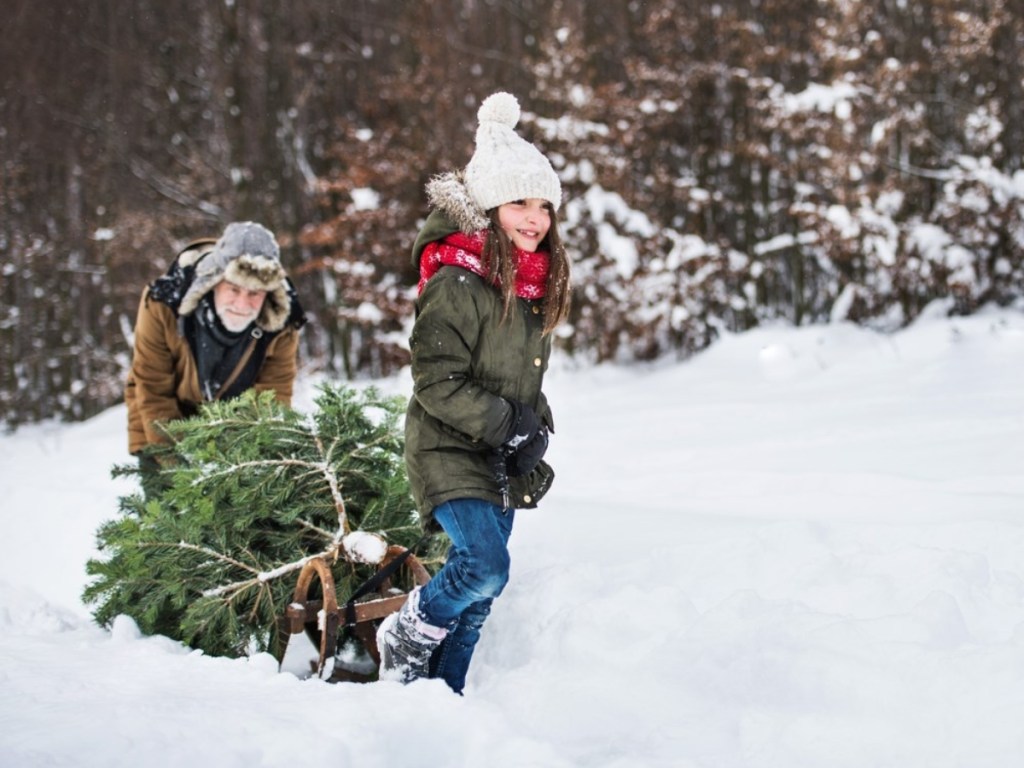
(462,250)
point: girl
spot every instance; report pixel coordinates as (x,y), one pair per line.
(494,284)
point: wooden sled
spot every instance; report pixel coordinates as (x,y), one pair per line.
(322,619)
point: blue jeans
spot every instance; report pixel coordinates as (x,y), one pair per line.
(459,596)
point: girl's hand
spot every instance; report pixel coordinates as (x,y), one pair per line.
(526,442)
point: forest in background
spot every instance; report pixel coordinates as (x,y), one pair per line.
(723,164)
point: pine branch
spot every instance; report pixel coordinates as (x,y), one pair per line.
(263,577)
(321,467)
(335,537)
(332,482)
(206,551)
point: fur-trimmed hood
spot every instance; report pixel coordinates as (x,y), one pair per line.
(452,210)
(251,272)
(248,256)
(182,288)
(448,194)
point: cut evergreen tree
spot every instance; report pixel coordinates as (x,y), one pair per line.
(249,491)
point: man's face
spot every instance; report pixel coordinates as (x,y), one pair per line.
(237,307)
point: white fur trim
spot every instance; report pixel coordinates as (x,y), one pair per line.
(448,194)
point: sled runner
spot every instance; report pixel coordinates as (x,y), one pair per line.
(314,610)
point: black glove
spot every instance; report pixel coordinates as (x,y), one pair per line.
(526,442)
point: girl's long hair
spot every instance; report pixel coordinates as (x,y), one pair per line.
(501,269)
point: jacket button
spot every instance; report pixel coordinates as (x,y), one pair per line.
(536,362)
(536,310)
(527,498)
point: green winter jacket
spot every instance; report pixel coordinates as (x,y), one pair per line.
(467,362)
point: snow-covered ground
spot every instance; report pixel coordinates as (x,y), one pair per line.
(804,547)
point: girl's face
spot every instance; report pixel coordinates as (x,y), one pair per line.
(526,222)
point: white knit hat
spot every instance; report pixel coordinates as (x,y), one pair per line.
(506,167)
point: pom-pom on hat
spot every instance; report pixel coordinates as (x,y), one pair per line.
(506,167)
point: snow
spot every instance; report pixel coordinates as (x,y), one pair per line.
(816,97)
(364,547)
(365,199)
(803,547)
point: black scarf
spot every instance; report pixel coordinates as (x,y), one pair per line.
(218,350)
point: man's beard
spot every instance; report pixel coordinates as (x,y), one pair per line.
(235,323)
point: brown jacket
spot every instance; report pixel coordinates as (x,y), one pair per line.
(163,383)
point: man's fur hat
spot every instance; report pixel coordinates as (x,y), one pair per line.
(248,256)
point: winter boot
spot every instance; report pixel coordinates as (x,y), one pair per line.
(406,641)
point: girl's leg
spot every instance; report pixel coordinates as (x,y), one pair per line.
(459,596)
(451,659)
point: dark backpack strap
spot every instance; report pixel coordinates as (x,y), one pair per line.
(248,375)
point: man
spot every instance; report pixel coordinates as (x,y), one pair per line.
(223,319)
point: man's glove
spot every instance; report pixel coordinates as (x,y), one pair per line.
(526,442)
